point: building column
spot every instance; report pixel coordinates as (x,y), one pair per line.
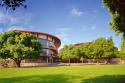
(47,60)
(52,59)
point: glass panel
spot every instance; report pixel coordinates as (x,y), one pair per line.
(43,41)
(47,43)
(47,52)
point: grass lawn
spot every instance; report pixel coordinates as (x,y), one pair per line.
(65,74)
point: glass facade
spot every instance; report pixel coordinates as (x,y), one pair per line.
(47,52)
(47,43)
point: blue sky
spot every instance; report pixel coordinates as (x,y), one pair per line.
(73,21)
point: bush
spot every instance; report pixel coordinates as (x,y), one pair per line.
(3,63)
(122,55)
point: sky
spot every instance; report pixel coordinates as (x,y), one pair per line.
(73,21)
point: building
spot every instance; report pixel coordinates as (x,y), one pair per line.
(50,45)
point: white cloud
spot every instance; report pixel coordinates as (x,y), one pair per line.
(63,34)
(102,5)
(20,28)
(86,28)
(76,12)
(94,11)
(15,20)
(1,30)
(93,27)
(8,18)
(63,29)
(14,28)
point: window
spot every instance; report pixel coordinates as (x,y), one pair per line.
(45,42)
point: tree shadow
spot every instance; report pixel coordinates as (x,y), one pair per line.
(106,79)
(63,79)
(40,79)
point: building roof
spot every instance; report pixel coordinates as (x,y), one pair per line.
(29,31)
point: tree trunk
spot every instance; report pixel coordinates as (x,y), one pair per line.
(69,62)
(18,64)
(17,61)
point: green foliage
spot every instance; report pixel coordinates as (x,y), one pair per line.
(68,52)
(12,4)
(87,50)
(18,46)
(122,47)
(117,11)
(122,54)
(100,48)
(3,62)
(117,23)
(110,50)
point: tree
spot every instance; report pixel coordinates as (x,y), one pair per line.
(12,4)
(68,52)
(117,11)
(122,47)
(18,46)
(81,53)
(85,49)
(122,55)
(110,51)
(101,48)
(78,53)
(98,46)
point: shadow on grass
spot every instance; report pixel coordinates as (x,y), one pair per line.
(63,79)
(40,79)
(106,79)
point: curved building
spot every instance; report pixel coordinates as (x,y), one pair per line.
(50,45)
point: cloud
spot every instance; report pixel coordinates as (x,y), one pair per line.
(86,28)
(63,34)
(16,20)
(63,29)
(93,27)
(76,12)
(9,18)
(15,27)
(94,11)
(102,5)
(1,30)
(20,28)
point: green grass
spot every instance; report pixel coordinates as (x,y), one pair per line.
(65,74)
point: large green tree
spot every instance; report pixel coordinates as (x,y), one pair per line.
(117,11)
(18,46)
(12,4)
(101,48)
(98,45)
(68,52)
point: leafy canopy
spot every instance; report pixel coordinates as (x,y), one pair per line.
(100,48)
(19,45)
(12,4)
(117,11)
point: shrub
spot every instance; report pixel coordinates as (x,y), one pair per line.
(3,63)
